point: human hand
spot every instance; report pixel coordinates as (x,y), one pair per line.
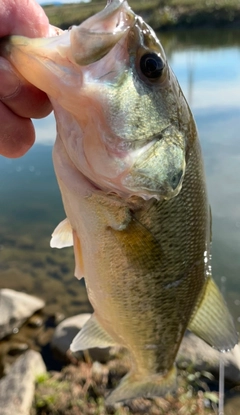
(19,100)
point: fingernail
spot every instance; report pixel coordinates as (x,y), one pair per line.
(9,82)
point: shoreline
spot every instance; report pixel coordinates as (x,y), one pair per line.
(45,378)
(160,15)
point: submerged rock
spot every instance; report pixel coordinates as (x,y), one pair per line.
(194,351)
(15,308)
(67,330)
(17,388)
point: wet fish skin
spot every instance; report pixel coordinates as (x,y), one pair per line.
(141,235)
(120,135)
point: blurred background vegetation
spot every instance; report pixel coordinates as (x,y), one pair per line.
(160,14)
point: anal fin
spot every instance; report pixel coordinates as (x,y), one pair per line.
(92,335)
(138,385)
(212,321)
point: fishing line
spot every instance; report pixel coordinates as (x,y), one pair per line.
(221,365)
(221,387)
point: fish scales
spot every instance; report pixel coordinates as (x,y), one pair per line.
(161,263)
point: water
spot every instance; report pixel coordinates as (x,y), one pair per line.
(207,66)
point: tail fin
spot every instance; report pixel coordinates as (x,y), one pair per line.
(134,386)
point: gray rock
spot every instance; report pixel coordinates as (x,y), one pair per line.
(17,388)
(196,352)
(15,308)
(67,330)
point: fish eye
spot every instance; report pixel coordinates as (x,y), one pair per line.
(151,65)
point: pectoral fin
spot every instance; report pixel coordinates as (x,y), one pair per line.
(91,335)
(212,321)
(62,235)
(79,273)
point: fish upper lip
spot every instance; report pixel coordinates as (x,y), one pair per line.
(117,16)
(95,37)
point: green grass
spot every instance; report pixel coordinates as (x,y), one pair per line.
(80,389)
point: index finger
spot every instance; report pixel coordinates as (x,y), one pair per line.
(22,17)
(27,18)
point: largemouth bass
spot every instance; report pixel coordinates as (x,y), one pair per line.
(129,166)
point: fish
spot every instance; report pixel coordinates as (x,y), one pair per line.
(130,170)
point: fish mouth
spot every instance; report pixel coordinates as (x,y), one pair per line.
(95,37)
(82,45)
(116,16)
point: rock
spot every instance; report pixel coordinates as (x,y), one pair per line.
(17,388)
(232,406)
(67,330)
(17,348)
(196,352)
(15,308)
(35,321)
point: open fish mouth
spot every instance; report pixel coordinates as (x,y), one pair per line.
(88,42)
(87,67)
(109,25)
(116,16)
